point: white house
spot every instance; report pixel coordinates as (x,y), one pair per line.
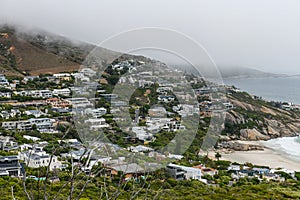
(5,95)
(35,93)
(35,113)
(63,92)
(80,102)
(184,172)
(96,113)
(37,159)
(3,80)
(44,125)
(97,123)
(141,133)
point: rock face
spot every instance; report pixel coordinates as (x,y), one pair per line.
(240,146)
(253,134)
(271,131)
(237,146)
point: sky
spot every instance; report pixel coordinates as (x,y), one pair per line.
(264,35)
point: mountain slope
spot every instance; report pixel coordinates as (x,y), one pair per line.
(23,53)
(244,72)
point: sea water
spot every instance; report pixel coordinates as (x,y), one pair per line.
(285,89)
(289,146)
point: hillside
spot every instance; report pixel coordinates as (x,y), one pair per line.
(39,52)
(256,119)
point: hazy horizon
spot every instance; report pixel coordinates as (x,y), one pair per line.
(263,35)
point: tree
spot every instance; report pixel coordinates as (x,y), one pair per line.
(218,156)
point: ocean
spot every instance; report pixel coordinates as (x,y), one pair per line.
(289,146)
(286,89)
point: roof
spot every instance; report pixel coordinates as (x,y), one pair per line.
(128,168)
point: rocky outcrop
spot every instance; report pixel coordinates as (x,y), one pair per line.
(253,134)
(272,132)
(240,146)
(267,110)
(233,117)
(243,105)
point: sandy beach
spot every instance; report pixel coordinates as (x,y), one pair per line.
(268,157)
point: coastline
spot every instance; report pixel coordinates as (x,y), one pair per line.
(267,157)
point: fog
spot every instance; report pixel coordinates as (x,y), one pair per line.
(264,35)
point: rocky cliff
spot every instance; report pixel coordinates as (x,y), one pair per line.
(255,119)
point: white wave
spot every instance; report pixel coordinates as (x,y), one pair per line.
(290,146)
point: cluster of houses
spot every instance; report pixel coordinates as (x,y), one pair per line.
(43,125)
(43,93)
(242,171)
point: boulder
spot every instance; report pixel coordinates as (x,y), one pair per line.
(253,134)
(273,132)
(238,146)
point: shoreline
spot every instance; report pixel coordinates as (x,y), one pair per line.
(267,157)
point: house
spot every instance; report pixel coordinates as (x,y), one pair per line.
(63,76)
(97,123)
(35,159)
(157,112)
(58,103)
(74,143)
(234,167)
(37,146)
(140,148)
(164,90)
(35,93)
(10,166)
(44,125)
(30,78)
(3,80)
(76,154)
(9,125)
(62,92)
(8,143)
(5,95)
(34,139)
(186,110)
(87,72)
(35,113)
(93,161)
(141,134)
(243,173)
(202,91)
(96,113)
(228,105)
(6,114)
(289,172)
(41,93)
(261,170)
(109,96)
(273,177)
(166,99)
(118,103)
(182,172)
(176,172)
(80,102)
(206,170)
(81,77)
(129,170)
(174,156)
(144,83)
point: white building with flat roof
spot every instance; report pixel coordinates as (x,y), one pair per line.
(36,159)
